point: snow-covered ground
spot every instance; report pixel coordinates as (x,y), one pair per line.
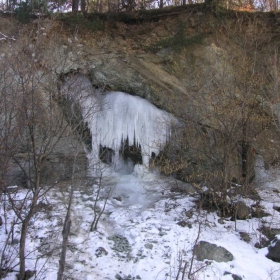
(146,232)
(139,235)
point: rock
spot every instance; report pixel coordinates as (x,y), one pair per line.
(182,188)
(149,246)
(262,243)
(205,250)
(269,232)
(99,252)
(170,205)
(189,214)
(245,236)
(118,198)
(14,242)
(234,276)
(274,250)
(28,274)
(124,277)
(121,245)
(1,221)
(275,231)
(221,221)
(277,208)
(182,223)
(242,210)
(118,277)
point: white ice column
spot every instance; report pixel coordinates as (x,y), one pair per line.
(121,116)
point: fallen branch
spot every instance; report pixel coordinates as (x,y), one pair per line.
(5,37)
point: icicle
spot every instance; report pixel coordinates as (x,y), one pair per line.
(130,118)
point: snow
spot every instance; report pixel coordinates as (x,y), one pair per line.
(141,216)
(147,214)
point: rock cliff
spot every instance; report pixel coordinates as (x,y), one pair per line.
(177,58)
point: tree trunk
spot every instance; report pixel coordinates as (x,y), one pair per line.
(65,234)
(24,229)
(244,158)
(226,168)
(22,249)
(75,6)
(83,6)
(100,6)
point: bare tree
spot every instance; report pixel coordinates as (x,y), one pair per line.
(65,235)
(223,122)
(102,194)
(34,128)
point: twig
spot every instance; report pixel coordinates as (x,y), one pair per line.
(5,37)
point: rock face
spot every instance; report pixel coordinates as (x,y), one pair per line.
(66,160)
(205,250)
(274,250)
(169,60)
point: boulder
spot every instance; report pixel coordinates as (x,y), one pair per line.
(205,250)
(149,246)
(189,214)
(182,223)
(234,276)
(274,250)
(277,208)
(243,211)
(28,274)
(118,198)
(182,187)
(14,241)
(245,236)
(100,251)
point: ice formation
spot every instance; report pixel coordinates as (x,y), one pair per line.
(115,117)
(124,116)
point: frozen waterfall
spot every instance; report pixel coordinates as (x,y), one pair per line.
(115,118)
(126,117)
